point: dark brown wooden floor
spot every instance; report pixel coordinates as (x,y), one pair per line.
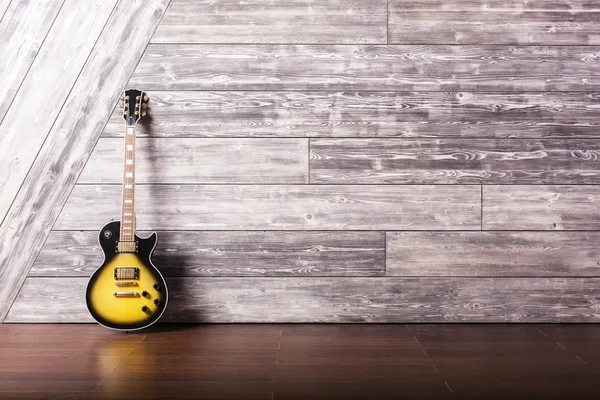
(300,362)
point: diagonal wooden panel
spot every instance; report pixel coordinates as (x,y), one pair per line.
(563,207)
(534,254)
(231,253)
(358,114)
(45,89)
(376,67)
(213,160)
(22,32)
(533,22)
(339,300)
(266,21)
(271,207)
(449,161)
(73,135)
(3,7)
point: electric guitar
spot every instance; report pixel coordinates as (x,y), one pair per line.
(127,292)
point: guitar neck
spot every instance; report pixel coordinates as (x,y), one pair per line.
(128,202)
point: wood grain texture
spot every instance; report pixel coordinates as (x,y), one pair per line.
(449,161)
(274,207)
(498,254)
(337,300)
(44,90)
(360,114)
(377,67)
(538,22)
(564,207)
(475,5)
(22,32)
(3,8)
(232,253)
(72,138)
(197,160)
(266,21)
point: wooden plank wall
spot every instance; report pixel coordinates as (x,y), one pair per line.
(354,161)
(56,118)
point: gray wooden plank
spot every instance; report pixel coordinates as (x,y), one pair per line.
(198,160)
(562,207)
(449,161)
(359,114)
(497,5)
(275,207)
(3,7)
(537,22)
(72,137)
(44,90)
(498,254)
(231,253)
(337,300)
(365,67)
(266,21)
(22,32)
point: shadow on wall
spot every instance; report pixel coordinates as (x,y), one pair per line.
(171,265)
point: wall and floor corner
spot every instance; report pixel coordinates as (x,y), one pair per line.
(372,161)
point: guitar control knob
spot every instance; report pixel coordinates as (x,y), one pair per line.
(145,309)
(156,287)
(157,302)
(145,294)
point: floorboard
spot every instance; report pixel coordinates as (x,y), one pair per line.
(454,161)
(549,207)
(279,207)
(501,254)
(480,115)
(231,253)
(335,300)
(327,362)
(376,67)
(537,22)
(264,21)
(197,160)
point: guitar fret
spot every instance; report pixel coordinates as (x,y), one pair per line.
(127,217)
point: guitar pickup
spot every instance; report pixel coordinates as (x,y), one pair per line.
(124,284)
(126,294)
(126,273)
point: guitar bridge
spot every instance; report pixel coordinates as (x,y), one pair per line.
(126,273)
(126,294)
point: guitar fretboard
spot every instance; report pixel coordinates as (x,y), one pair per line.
(128,204)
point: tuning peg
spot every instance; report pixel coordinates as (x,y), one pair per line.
(126,97)
(137,97)
(137,112)
(143,113)
(144,106)
(122,98)
(121,113)
(145,98)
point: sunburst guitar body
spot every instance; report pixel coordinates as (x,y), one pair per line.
(127,292)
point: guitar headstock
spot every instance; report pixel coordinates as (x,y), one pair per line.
(133,106)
